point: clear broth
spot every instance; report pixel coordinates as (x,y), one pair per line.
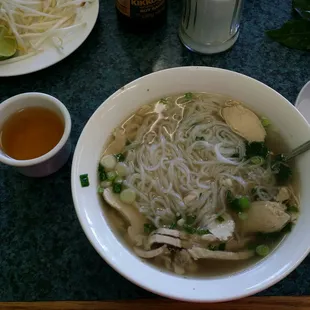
(206,267)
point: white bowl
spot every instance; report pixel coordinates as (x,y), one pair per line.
(264,100)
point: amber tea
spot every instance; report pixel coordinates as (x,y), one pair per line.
(31,132)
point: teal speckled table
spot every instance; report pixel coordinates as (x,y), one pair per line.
(44,254)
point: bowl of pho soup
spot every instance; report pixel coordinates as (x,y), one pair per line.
(187,194)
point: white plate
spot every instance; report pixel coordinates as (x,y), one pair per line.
(51,55)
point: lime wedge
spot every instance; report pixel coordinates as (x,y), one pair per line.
(8,45)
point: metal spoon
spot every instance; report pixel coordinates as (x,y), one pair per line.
(297,151)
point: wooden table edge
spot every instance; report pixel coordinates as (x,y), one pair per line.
(253,303)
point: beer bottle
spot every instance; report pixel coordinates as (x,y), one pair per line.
(142,15)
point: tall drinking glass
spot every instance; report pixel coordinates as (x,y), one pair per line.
(210,26)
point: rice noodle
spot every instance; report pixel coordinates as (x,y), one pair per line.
(181,146)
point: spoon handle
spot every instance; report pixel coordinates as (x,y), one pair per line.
(299,150)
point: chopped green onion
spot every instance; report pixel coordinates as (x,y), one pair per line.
(148,228)
(243,216)
(220,219)
(163,101)
(108,162)
(292,209)
(244,203)
(189,229)
(202,232)
(117,188)
(265,121)
(200,139)
(229,196)
(188,96)
(100,190)
(173,226)
(213,247)
(257,160)
(120,157)
(111,175)
(128,196)
(262,250)
(84,180)
(101,173)
(222,247)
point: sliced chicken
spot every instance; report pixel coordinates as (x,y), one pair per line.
(200,253)
(187,239)
(222,229)
(234,245)
(283,194)
(133,216)
(161,239)
(243,122)
(265,217)
(168,232)
(151,253)
(183,258)
(118,144)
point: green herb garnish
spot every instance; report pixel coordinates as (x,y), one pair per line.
(222,247)
(189,229)
(262,250)
(296,32)
(265,122)
(188,96)
(111,175)
(173,226)
(213,247)
(120,157)
(148,228)
(237,204)
(281,170)
(101,173)
(257,160)
(292,209)
(84,180)
(100,190)
(243,216)
(163,101)
(220,219)
(256,149)
(201,232)
(117,188)
(200,139)
(244,203)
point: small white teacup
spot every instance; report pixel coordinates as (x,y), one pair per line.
(55,158)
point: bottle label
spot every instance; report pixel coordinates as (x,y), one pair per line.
(123,6)
(141,9)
